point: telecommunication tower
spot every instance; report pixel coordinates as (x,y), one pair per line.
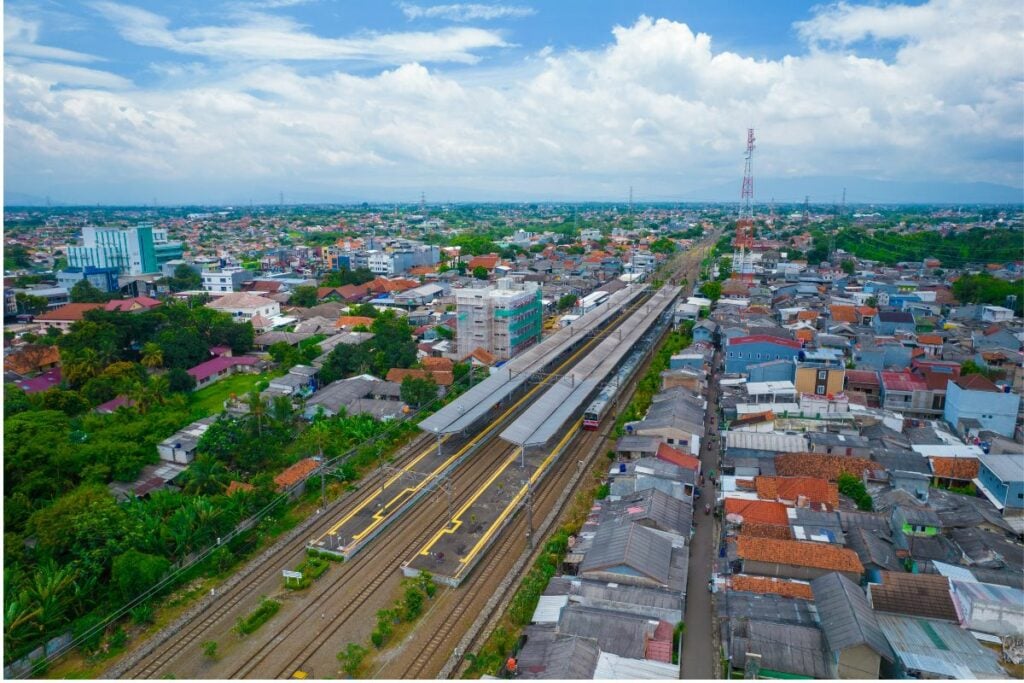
(742,260)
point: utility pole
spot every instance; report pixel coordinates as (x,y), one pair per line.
(631,201)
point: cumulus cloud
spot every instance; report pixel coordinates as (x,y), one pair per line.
(466,12)
(20,39)
(658,107)
(265,37)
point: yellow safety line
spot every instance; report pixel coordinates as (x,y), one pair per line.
(456,521)
(380,515)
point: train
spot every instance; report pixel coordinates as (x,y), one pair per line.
(598,408)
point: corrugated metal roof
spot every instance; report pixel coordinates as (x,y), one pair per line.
(846,617)
(631,545)
(623,634)
(953,571)
(611,667)
(776,442)
(547,415)
(549,608)
(783,647)
(475,403)
(938,647)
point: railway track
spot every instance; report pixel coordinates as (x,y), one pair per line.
(166,653)
(227,601)
(471,596)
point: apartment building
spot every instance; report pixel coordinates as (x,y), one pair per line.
(133,251)
(503,320)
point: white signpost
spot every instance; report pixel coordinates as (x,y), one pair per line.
(289,574)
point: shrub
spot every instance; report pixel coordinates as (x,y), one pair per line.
(210,649)
(351,658)
(142,614)
(258,617)
(413,603)
(377,638)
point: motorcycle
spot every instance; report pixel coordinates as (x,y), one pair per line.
(707,509)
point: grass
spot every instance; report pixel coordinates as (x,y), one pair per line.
(210,400)
(257,617)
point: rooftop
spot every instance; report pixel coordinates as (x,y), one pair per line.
(798,554)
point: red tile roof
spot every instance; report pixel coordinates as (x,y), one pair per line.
(677,457)
(353,321)
(215,365)
(869,377)
(798,554)
(488,262)
(821,465)
(792,488)
(845,314)
(902,381)
(964,469)
(295,473)
(930,339)
(764,584)
(976,383)
(444,364)
(31,358)
(759,511)
(139,303)
(72,312)
(440,377)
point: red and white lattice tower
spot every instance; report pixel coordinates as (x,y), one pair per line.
(742,261)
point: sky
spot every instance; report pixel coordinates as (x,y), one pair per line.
(129,102)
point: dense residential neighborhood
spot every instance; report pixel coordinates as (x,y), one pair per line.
(820,438)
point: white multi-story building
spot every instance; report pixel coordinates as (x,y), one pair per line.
(244,306)
(133,251)
(226,280)
(503,320)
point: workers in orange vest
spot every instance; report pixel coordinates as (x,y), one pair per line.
(510,665)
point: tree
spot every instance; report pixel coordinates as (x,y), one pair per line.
(133,572)
(724,268)
(179,381)
(849,266)
(303,296)
(206,475)
(872,301)
(712,290)
(663,245)
(480,273)
(152,355)
(566,301)
(351,658)
(30,303)
(185,278)
(416,390)
(84,292)
(970,367)
(344,276)
(284,354)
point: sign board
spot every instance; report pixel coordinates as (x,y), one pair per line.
(288,574)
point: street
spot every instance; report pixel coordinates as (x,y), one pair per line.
(698,641)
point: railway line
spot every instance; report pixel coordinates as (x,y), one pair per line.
(378,569)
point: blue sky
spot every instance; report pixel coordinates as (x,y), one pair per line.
(121,101)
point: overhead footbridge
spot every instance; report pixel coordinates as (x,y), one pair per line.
(548,414)
(505,380)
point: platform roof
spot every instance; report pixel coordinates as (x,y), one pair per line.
(475,403)
(548,414)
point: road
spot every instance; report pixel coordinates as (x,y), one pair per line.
(698,639)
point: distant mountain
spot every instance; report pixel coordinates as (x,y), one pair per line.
(829,190)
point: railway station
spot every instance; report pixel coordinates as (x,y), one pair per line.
(454,550)
(505,390)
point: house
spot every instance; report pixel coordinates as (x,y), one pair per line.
(776,650)
(442,378)
(890,322)
(181,446)
(113,404)
(904,392)
(928,596)
(243,307)
(821,373)
(40,383)
(990,608)
(741,352)
(1001,479)
(705,331)
(676,422)
(220,367)
(32,358)
(633,447)
(840,444)
(633,554)
(138,304)
(996,314)
(677,458)
(294,477)
(62,318)
(800,491)
(953,471)
(934,649)
(804,560)
(853,636)
(975,397)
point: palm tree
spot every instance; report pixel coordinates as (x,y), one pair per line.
(257,409)
(19,613)
(152,355)
(52,590)
(205,475)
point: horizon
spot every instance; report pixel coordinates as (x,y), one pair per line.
(118,103)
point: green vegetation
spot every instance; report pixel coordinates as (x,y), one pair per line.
(650,384)
(351,658)
(415,592)
(185,279)
(417,391)
(391,347)
(711,290)
(210,649)
(969,367)
(312,568)
(977,245)
(304,296)
(210,400)
(852,487)
(985,289)
(480,273)
(84,292)
(663,245)
(344,276)
(567,301)
(261,615)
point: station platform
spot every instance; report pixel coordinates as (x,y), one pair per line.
(454,550)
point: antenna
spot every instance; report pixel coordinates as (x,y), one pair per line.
(423,202)
(745,223)
(844,201)
(630,200)
(280,199)
(807,208)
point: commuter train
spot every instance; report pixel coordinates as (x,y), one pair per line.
(596,411)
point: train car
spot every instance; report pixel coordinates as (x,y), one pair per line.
(595,411)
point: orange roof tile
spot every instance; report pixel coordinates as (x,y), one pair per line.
(798,554)
(807,315)
(431,363)
(488,262)
(767,531)
(484,356)
(931,339)
(353,321)
(764,584)
(68,312)
(791,488)
(821,465)
(31,358)
(295,473)
(236,486)
(677,457)
(804,335)
(844,314)
(955,468)
(761,511)
(440,377)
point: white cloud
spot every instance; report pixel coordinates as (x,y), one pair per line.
(20,39)
(265,37)
(466,12)
(658,107)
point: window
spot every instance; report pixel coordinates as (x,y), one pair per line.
(820,390)
(822,374)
